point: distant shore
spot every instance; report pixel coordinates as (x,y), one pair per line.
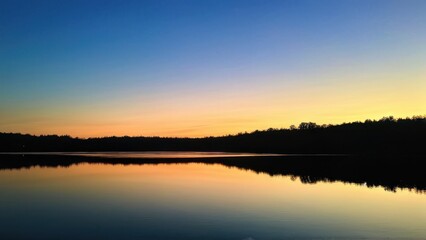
(385,136)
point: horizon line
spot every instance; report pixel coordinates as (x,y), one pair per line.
(291,127)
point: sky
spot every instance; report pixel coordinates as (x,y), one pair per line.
(207,68)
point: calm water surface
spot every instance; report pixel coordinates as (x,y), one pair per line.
(197,201)
(152,154)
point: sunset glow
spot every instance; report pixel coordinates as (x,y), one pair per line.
(203,68)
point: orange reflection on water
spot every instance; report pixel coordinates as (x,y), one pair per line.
(167,154)
(213,189)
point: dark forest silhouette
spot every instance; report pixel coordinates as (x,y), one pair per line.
(385,136)
(388,152)
(390,172)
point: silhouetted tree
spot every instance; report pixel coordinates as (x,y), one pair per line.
(307,125)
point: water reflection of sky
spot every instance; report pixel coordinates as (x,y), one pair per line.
(168,154)
(196,201)
(156,154)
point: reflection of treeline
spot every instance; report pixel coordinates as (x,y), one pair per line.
(388,135)
(390,172)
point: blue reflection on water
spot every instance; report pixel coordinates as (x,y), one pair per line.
(189,201)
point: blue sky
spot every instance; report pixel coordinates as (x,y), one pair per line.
(150,60)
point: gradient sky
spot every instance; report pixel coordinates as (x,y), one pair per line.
(198,68)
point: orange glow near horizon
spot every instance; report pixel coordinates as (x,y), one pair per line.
(230,68)
(226,112)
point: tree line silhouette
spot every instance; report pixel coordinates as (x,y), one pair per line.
(385,136)
(389,172)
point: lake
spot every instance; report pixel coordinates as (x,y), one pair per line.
(186,199)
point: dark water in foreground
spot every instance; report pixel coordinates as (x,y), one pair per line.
(195,200)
